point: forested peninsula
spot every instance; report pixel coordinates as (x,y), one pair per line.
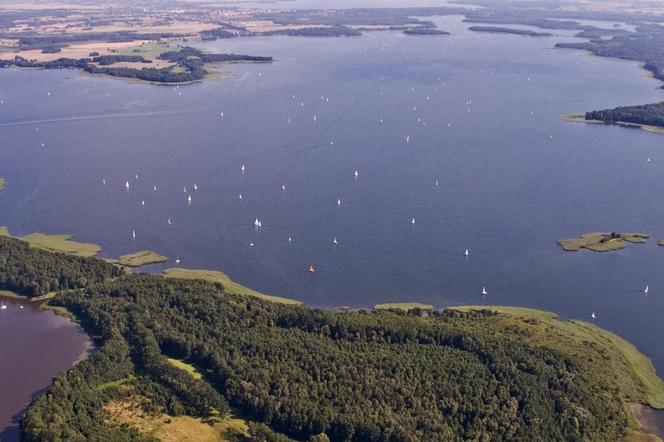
(188,65)
(193,349)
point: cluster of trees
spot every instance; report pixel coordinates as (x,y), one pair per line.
(425,31)
(310,374)
(318,31)
(649,114)
(213,34)
(500,30)
(188,54)
(106,60)
(33,272)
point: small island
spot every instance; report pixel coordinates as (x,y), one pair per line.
(501,30)
(2,184)
(139,259)
(425,31)
(602,242)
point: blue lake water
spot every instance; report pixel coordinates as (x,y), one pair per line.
(482,113)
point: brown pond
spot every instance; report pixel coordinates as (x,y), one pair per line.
(35,345)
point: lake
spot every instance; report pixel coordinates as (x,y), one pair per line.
(481,114)
(36,344)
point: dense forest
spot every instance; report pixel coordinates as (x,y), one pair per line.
(649,114)
(307,374)
(33,272)
(318,31)
(425,31)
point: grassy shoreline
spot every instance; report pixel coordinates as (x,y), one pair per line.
(580,118)
(230,286)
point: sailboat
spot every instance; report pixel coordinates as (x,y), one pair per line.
(143,203)
(593,316)
(412,221)
(195,187)
(258,223)
(466,253)
(312,269)
(436,183)
(242,169)
(356,174)
(127,185)
(103,180)
(334,241)
(169,221)
(133,233)
(283,187)
(154,189)
(484,291)
(239,196)
(189,199)
(646,290)
(408,139)
(338,201)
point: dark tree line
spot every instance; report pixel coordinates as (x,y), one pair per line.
(649,114)
(33,272)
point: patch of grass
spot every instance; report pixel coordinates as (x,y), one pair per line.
(4,231)
(619,360)
(129,411)
(602,241)
(148,51)
(186,367)
(405,306)
(62,243)
(229,285)
(141,258)
(104,386)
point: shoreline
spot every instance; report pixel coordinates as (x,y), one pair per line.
(579,117)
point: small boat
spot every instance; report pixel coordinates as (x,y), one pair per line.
(3,307)
(133,233)
(189,199)
(646,290)
(169,221)
(143,203)
(408,139)
(484,291)
(290,239)
(239,196)
(136,176)
(257,223)
(338,201)
(648,160)
(283,187)
(334,241)
(436,183)
(103,180)
(221,114)
(184,189)
(412,221)
(467,252)
(127,185)
(593,316)
(289,121)
(20,306)
(154,189)
(43,145)
(177,261)
(242,169)
(195,187)
(315,118)
(356,174)
(312,269)
(251,244)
